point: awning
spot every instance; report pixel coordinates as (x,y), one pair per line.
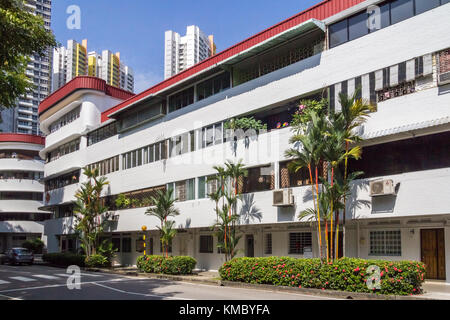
(407,128)
(306,26)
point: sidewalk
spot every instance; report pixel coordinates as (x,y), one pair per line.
(436,290)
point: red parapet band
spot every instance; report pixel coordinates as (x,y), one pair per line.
(25,138)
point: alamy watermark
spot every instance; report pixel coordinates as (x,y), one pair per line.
(74,19)
(74,280)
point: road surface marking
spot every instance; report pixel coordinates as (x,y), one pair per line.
(44,276)
(24,279)
(4,282)
(91,275)
(63,275)
(138,294)
(10,298)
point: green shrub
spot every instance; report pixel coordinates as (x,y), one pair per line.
(170,265)
(36,245)
(346,274)
(64,259)
(97,261)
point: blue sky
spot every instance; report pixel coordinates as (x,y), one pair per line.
(135,28)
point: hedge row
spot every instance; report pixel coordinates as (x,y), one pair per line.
(346,274)
(170,265)
(64,259)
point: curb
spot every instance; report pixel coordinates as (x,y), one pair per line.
(223,283)
(317,292)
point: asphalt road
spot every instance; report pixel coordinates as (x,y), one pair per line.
(39,282)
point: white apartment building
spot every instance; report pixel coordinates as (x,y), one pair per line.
(23,118)
(21,192)
(172,135)
(182,52)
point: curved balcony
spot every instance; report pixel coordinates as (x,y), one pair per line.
(21,227)
(22,185)
(66,163)
(21,165)
(20,206)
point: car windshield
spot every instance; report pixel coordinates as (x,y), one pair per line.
(22,251)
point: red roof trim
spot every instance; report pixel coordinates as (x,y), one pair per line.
(19,137)
(320,11)
(82,82)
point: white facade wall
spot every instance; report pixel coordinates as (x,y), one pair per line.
(421,194)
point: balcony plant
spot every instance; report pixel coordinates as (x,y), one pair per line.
(245,123)
(122,202)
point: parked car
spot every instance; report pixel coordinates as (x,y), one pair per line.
(18,256)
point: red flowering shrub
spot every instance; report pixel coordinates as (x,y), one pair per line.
(346,274)
(170,265)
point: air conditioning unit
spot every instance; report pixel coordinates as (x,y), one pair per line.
(382,188)
(444,78)
(283,198)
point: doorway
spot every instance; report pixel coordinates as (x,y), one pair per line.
(249,246)
(432,243)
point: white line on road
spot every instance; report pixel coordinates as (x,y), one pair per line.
(57,286)
(139,294)
(44,276)
(24,279)
(91,275)
(10,298)
(4,282)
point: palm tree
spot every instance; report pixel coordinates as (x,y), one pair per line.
(334,152)
(90,207)
(311,139)
(354,112)
(163,207)
(167,234)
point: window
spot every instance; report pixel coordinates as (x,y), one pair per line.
(258,179)
(338,33)
(290,179)
(65,120)
(268,243)
(386,243)
(357,26)
(116,244)
(202,188)
(391,12)
(102,133)
(298,241)
(206,244)
(126,244)
(424,153)
(213,86)
(401,10)
(184,190)
(62,181)
(106,166)
(425,5)
(181,144)
(181,99)
(63,150)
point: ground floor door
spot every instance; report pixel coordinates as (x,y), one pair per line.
(433,252)
(249,246)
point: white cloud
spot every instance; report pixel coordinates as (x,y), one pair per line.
(143,81)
